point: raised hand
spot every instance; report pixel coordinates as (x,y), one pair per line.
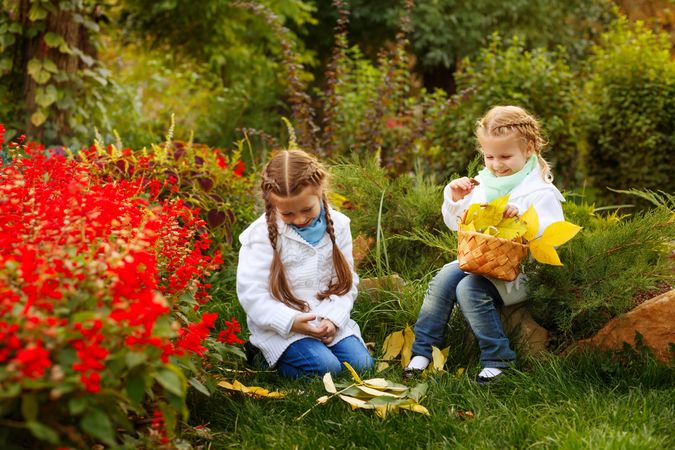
(461,187)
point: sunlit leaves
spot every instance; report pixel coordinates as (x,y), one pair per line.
(252,391)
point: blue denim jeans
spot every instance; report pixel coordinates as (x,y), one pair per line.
(310,356)
(478,298)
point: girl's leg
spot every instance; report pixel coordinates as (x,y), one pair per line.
(435,313)
(477,297)
(307,356)
(352,351)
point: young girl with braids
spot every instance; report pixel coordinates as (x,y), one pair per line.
(295,277)
(511,145)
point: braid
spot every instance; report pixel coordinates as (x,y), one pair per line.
(343,271)
(278,283)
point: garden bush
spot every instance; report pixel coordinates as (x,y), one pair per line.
(631,116)
(606,267)
(101,287)
(505,73)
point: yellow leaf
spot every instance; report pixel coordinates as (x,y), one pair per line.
(544,253)
(416,407)
(322,400)
(356,402)
(253,391)
(511,228)
(531,220)
(392,345)
(378,393)
(438,358)
(328,383)
(559,232)
(500,203)
(471,213)
(459,372)
(377,383)
(351,370)
(381,366)
(381,411)
(406,351)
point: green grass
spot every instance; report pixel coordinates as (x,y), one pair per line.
(588,401)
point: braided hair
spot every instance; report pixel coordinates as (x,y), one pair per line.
(286,175)
(506,120)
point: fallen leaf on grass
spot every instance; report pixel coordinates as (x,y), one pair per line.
(253,391)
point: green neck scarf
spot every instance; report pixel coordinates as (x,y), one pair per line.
(496,187)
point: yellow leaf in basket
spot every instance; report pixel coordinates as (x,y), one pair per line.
(544,253)
(489,215)
(468,227)
(531,219)
(500,203)
(351,370)
(406,351)
(471,213)
(559,232)
(510,228)
(393,344)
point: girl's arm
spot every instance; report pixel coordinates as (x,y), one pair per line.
(253,292)
(338,308)
(452,211)
(549,209)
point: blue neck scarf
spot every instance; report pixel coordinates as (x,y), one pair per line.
(496,187)
(313,232)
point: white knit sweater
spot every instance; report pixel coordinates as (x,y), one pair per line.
(309,270)
(533,190)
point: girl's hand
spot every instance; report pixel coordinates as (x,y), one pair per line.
(461,187)
(510,211)
(331,331)
(302,325)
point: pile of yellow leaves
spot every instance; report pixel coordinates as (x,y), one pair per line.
(378,394)
(251,391)
(489,219)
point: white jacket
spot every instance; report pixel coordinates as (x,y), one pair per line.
(309,270)
(533,190)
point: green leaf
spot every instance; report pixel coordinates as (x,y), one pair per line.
(36,12)
(52,39)
(46,96)
(36,71)
(77,405)
(170,381)
(29,407)
(418,391)
(136,387)
(49,65)
(38,117)
(6,65)
(43,432)
(134,359)
(97,425)
(195,383)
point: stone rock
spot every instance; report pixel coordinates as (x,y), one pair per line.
(653,319)
(387,283)
(531,337)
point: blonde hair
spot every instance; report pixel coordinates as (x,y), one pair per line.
(286,175)
(504,120)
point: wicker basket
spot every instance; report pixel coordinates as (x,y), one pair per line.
(495,257)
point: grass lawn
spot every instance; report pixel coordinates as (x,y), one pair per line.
(579,401)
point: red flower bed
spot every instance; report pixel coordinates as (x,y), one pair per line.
(100,287)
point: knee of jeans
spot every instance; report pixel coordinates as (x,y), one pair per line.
(331,365)
(469,293)
(362,361)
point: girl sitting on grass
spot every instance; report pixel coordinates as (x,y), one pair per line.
(295,277)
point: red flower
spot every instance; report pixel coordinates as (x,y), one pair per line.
(239,168)
(228,335)
(33,360)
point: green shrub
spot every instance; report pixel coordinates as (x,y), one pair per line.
(540,81)
(631,120)
(605,267)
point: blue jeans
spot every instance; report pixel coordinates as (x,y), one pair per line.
(478,298)
(310,356)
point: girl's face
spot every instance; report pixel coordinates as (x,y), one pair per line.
(301,209)
(504,155)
